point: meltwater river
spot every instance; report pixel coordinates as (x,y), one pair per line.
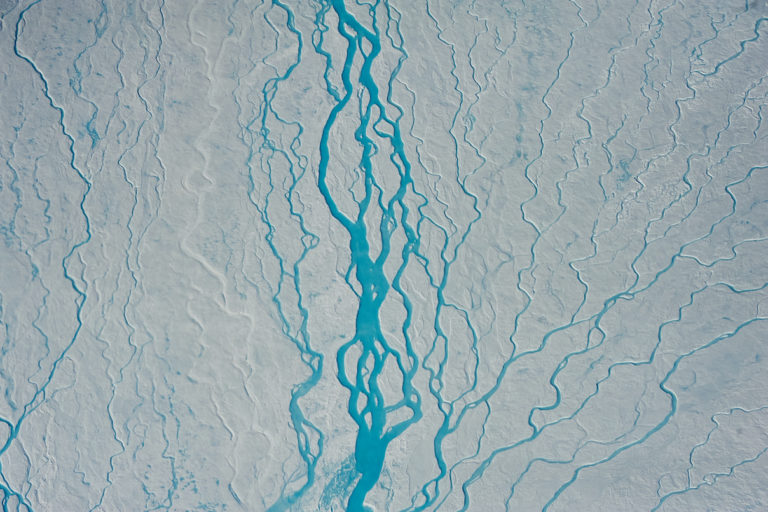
(383,255)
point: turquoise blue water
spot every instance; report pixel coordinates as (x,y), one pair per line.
(374,255)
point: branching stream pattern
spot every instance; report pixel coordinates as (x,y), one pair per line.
(383,255)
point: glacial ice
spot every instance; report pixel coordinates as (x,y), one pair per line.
(298,255)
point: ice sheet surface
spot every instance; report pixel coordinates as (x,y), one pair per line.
(363,255)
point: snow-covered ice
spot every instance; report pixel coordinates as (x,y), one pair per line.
(383,255)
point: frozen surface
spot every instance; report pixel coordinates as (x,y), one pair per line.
(404,255)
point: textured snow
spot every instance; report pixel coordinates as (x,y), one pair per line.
(387,255)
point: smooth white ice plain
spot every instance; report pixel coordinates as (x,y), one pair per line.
(301,255)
